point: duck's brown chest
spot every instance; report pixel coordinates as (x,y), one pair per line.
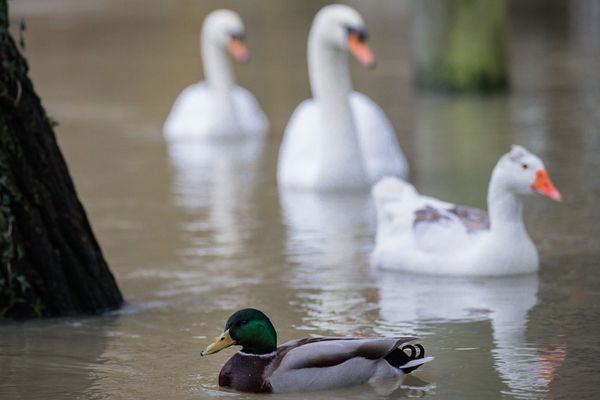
(246,373)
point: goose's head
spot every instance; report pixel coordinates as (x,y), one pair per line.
(225,29)
(524,173)
(341,27)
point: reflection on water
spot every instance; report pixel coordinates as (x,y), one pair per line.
(193,232)
(61,359)
(420,301)
(328,226)
(217,178)
(326,235)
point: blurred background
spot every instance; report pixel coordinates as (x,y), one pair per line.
(193,237)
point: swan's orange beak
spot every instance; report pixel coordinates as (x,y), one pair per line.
(544,186)
(238,49)
(360,50)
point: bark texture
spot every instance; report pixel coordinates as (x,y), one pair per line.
(460,45)
(50,262)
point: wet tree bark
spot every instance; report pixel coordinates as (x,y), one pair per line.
(50,262)
(460,45)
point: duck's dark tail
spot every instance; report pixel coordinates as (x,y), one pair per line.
(408,362)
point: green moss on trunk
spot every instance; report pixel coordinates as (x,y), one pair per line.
(50,262)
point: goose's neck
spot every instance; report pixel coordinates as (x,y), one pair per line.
(217,66)
(505,208)
(330,83)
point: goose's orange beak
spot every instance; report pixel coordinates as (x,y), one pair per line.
(544,186)
(237,49)
(360,50)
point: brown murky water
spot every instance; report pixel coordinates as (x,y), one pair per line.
(193,234)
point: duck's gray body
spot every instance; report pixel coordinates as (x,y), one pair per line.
(319,364)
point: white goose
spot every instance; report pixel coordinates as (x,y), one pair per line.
(217,108)
(339,139)
(424,235)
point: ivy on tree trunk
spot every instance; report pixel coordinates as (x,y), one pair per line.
(50,261)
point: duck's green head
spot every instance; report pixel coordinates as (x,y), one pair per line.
(249,328)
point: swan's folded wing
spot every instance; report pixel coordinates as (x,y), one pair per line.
(300,146)
(249,112)
(187,118)
(381,153)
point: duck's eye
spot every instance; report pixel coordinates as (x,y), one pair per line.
(524,166)
(244,322)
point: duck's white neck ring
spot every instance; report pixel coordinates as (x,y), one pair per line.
(267,355)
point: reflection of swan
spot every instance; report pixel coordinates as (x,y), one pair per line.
(218,178)
(328,235)
(217,108)
(407,299)
(327,225)
(339,139)
(421,234)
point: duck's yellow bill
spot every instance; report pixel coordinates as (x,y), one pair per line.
(220,343)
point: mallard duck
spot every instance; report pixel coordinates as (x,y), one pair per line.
(421,234)
(307,364)
(339,139)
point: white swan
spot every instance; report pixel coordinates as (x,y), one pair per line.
(339,139)
(420,234)
(217,108)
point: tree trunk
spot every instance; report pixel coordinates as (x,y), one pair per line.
(50,262)
(460,45)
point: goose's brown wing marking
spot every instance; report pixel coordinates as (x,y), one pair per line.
(473,218)
(427,215)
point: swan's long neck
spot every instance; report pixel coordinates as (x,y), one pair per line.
(330,83)
(217,66)
(342,165)
(219,77)
(504,206)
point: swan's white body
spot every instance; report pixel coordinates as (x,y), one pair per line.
(203,113)
(339,139)
(421,234)
(216,108)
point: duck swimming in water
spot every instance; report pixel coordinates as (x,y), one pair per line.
(308,364)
